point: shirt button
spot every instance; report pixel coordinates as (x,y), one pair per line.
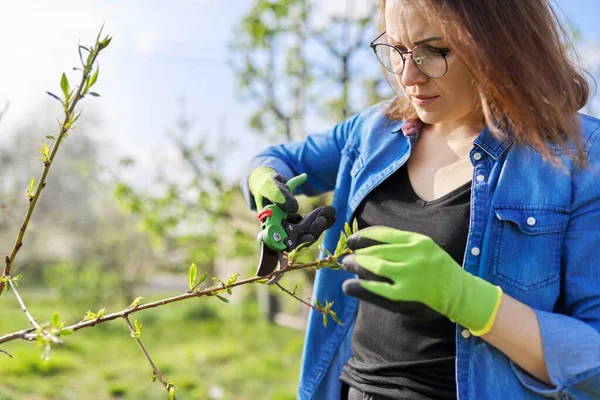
(477,156)
(475,251)
(465,333)
(531,221)
(480,178)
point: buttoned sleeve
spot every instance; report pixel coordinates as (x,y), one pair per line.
(571,335)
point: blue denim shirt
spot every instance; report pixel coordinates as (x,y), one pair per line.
(534,230)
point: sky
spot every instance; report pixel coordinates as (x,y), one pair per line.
(162,51)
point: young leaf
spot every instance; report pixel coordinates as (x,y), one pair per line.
(232,279)
(355,226)
(341,245)
(65,332)
(94,94)
(76,118)
(223,299)
(193,272)
(153,379)
(54,96)
(105,42)
(101,313)
(292,255)
(347,229)
(64,85)
(89,315)
(92,79)
(55,320)
(335,317)
(135,303)
(172,393)
(50,137)
(137,332)
(202,278)
(31,187)
(45,151)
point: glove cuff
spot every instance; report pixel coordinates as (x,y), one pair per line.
(490,323)
(478,305)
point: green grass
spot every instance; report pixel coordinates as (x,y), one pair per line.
(203,345)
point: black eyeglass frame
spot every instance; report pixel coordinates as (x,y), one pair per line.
(403,54)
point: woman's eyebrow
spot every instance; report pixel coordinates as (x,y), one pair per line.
(431,39)
(420,42)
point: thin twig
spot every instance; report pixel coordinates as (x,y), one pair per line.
(27,335)
(298,298)
(139,342)
(29,316)
(6,352)
(64,128)
(36,326)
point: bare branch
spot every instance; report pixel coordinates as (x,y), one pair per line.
(6,352)
(39,330)
(157,373)
(29,316)
(212,291)
(69,107)
(298,298)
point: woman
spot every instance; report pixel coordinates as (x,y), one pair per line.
(475,257)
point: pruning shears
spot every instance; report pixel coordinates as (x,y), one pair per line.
(281,232)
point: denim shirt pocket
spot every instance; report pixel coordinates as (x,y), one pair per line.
(528,245)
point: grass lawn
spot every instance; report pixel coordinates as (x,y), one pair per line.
(210,350)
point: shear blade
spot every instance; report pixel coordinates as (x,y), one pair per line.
(283,264)
(268,261)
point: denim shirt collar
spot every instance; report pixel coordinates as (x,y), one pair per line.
(493,142)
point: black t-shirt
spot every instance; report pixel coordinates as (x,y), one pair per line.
(412,356)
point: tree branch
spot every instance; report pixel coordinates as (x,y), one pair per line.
(212,291)
(157,373)
(69,105)
(37,327)
(6,352)
(29,316)
(298,298)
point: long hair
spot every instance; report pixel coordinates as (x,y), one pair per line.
(517,51)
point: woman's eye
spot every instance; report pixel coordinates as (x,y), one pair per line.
(432,51)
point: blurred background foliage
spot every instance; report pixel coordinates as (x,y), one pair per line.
(98,239)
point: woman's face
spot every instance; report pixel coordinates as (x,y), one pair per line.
(449,99)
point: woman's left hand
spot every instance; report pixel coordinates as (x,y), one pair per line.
(396,267)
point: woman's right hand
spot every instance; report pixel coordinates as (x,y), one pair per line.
(266,183)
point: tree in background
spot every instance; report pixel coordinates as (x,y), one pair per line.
(284,62)
(296,65)
(294,68)
(79,243)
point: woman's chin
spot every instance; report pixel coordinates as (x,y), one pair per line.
(428,117)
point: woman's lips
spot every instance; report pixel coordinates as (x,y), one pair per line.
(424,101)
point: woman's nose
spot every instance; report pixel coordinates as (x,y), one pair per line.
(411,74)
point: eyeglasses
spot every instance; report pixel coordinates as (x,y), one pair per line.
(431,61)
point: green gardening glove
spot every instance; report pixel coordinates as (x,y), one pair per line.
(396,267)
(266,183)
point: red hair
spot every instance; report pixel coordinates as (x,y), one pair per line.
(517,51)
